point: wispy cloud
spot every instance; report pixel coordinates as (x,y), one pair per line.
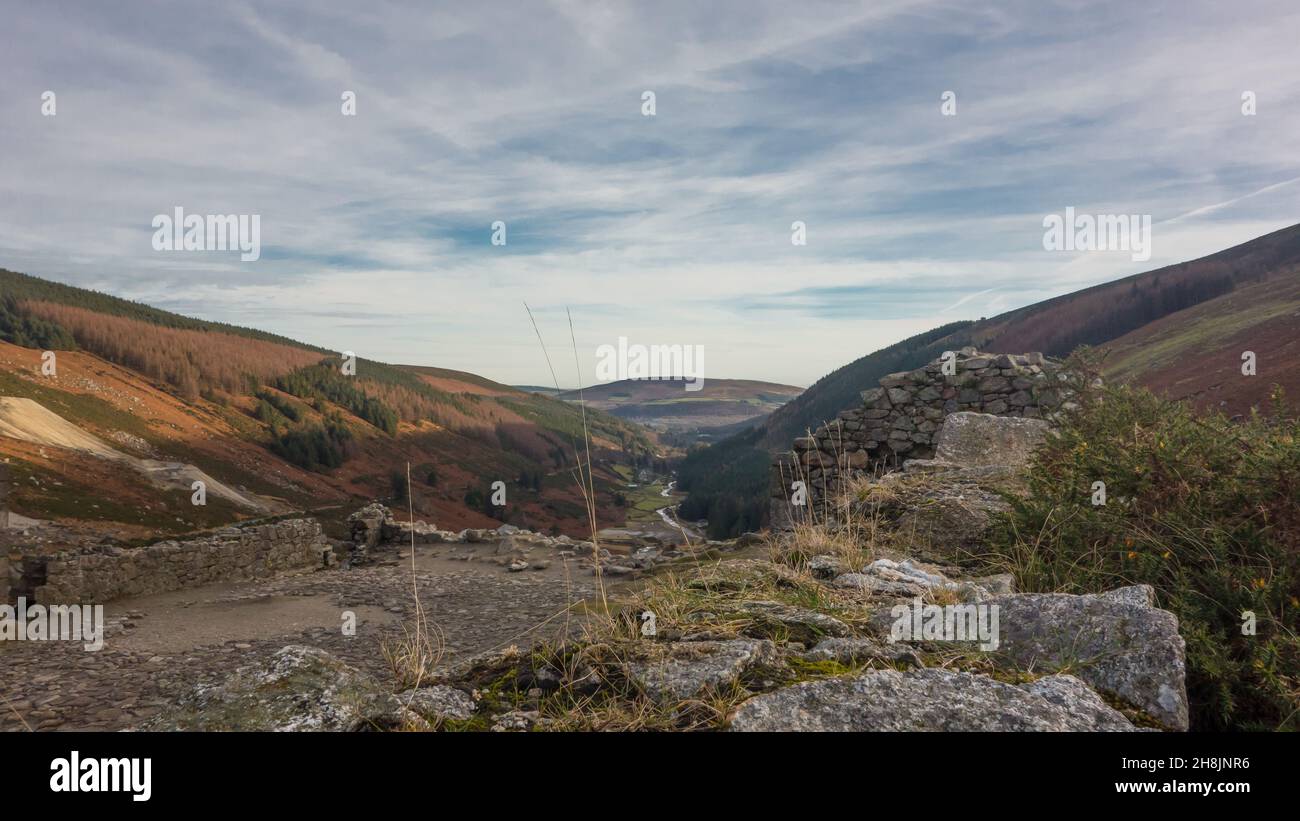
(672,228)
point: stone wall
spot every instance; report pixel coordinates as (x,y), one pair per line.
(99,574)
(899,420)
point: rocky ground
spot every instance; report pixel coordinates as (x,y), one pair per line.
(160,647)
(479,590)
(847,624)
(739,653)
(803,636)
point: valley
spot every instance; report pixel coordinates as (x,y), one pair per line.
(102,454)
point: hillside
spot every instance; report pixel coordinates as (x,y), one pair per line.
(1196,354)
(276,419)
(1179,330)
(666,405)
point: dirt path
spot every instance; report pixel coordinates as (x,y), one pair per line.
(169,642)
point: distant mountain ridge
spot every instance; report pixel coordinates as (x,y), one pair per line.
(667,404)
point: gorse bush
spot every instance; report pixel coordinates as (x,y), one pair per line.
(1203,509)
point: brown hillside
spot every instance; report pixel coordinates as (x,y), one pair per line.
(1105,312)
(1196,353)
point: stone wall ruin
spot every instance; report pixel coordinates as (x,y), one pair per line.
(98,574)
(900,420)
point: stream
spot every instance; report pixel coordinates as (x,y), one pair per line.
(668,514)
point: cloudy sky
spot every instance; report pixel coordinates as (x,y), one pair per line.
(666,229)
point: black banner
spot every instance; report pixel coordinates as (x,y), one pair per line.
(141,772)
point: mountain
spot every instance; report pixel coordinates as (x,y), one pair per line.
(1180,330)
(144,400)
(666,404)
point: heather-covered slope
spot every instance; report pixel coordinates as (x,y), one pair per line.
(1196,354)
(279,419)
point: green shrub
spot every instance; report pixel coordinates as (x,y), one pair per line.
(315,447)
(1203,509)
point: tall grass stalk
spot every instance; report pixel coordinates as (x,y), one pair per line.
(420,649)
(586,484)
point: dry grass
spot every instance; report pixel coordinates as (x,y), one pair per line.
(414,657)
(849,526)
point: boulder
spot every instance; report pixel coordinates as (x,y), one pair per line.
(825,567)
(980,439)
(1116,641)
(855,650)
(1072,694)
(929,700)
(874,585)
(947,511)
(890,578)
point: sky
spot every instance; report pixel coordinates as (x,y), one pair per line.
(671,229)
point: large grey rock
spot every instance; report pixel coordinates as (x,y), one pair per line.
(298,689)
(906,571)
(885,577)
(1115,641)
(948,518)
(929,700)
(980,439)
(825,567)
(683,670)
(1141,595)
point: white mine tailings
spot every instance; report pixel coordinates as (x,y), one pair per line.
(29,421)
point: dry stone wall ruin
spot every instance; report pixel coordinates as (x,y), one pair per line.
(99,574)
(901,418)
